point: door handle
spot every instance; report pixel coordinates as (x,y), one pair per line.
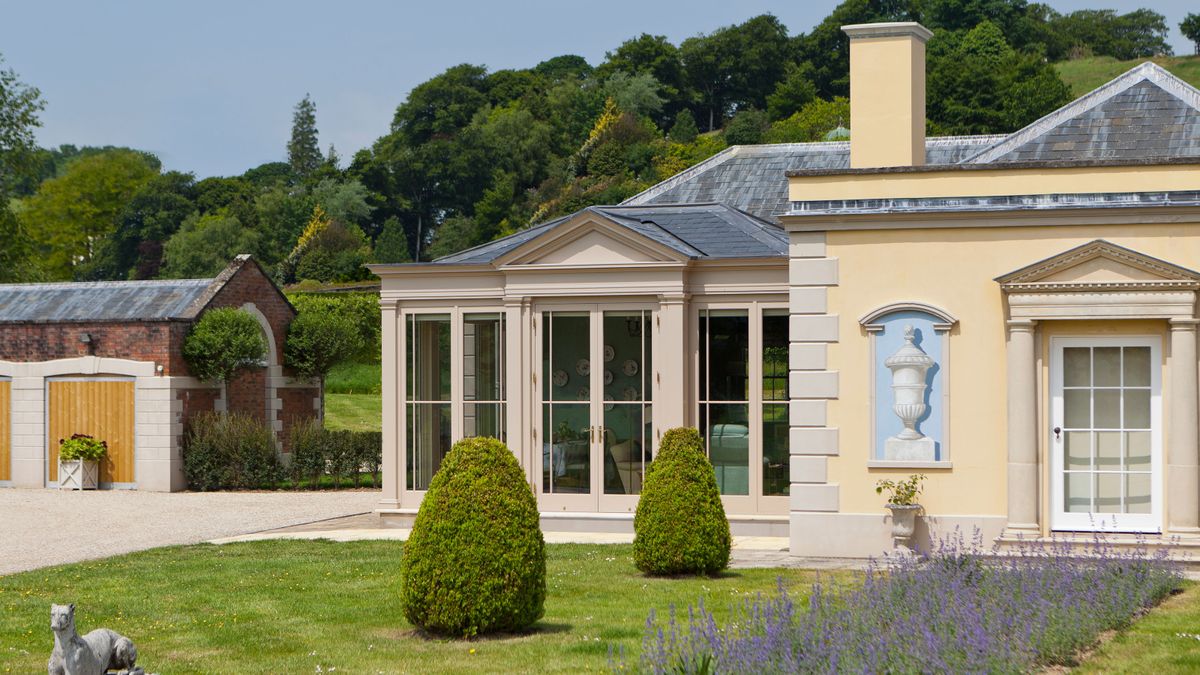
(1058,433)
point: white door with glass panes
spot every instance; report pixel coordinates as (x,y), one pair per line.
(594,417)
(1106,434)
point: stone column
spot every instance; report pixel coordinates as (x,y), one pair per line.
(672,394)
(392,408)
(1023,474)
(1183,456)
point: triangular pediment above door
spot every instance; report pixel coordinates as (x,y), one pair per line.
(591,239)
(1099,262)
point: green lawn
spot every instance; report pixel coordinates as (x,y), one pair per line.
(1154,644)
(355,378)
(290,606)
(353,412)
(1084,75)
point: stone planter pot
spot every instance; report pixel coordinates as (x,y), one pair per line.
(904,524)
(78,474)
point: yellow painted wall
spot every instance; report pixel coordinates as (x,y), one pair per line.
(887,85)
(954,270)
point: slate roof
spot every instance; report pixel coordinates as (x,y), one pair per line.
(753,178)
(1143,115)
(108,301)
(694,230)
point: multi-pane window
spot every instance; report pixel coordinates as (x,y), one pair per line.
(776,476)
(1107,429)
(483,376)
(427,396)
(724,383)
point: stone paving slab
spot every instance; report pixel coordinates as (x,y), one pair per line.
(52,527)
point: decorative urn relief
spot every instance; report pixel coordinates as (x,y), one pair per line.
(909,365)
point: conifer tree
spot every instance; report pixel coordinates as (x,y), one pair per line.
(304,154)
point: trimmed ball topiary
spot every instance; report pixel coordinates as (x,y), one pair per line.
(680,526)
(476,561)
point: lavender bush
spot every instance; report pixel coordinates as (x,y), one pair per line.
(957,610)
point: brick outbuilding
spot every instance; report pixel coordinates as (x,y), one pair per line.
(105,358)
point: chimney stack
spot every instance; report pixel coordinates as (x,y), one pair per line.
(887,94)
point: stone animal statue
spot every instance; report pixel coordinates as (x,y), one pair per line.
(96,653)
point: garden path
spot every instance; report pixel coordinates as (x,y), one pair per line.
(51,527)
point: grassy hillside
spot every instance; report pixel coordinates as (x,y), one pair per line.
(1084,75)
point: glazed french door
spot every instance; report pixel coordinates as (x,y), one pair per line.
(595,413)
(1106,434)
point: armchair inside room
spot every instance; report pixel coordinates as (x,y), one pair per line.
(624,460)
(729,451)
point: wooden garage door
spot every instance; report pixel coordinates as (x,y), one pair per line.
(5,430)
(99,408)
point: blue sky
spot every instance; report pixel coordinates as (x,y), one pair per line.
(209,86)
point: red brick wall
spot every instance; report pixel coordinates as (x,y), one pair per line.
(139,341)
(297,406)
(247,394)
(251,285)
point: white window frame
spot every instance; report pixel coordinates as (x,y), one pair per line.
(1060,519)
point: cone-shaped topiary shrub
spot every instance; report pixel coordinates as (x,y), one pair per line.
(475,562)
(680,526)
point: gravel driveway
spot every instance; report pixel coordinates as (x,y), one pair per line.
(50,527)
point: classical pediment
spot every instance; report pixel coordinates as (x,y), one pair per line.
(1100,264)
(591,240)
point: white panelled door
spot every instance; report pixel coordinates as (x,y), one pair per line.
(1106,434)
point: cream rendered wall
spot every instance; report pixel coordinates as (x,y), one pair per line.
(954,269)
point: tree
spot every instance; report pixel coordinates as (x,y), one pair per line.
(792,93)
(637,94)
(441,105)
(70,216)
(684,130)
(223,342)
(652,55)
(304,153)
(327,251)
(319,340)
(746,128)
(154,213)
(392,245)
(1137,34)
(204,245)
(811,122)
(19,108)
(1190,27)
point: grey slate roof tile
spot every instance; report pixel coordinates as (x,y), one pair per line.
(100,300)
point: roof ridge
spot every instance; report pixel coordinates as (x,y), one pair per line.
(660,228)
(758,233)
(665,185)
(1147,71)
(110,283)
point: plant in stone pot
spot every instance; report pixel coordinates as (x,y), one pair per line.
(902,502)
(79,462)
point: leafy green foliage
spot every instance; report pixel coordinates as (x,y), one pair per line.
(684,130)
(1190,27)
(222,342)
(901,492)
(204,245)
(229,451)
(680,525)
(811,123)
(19,108)
(392,244)
(319,340)
(475,562)
(747,127)
(81,446)
(362,309)
(70,216)
(637,93)
(340,454)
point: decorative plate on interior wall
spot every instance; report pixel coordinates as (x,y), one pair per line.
(630,367)
(561,378)
(607,402)
(583,394)
(629,394)
(608,376)
(583,367)
(609,353)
